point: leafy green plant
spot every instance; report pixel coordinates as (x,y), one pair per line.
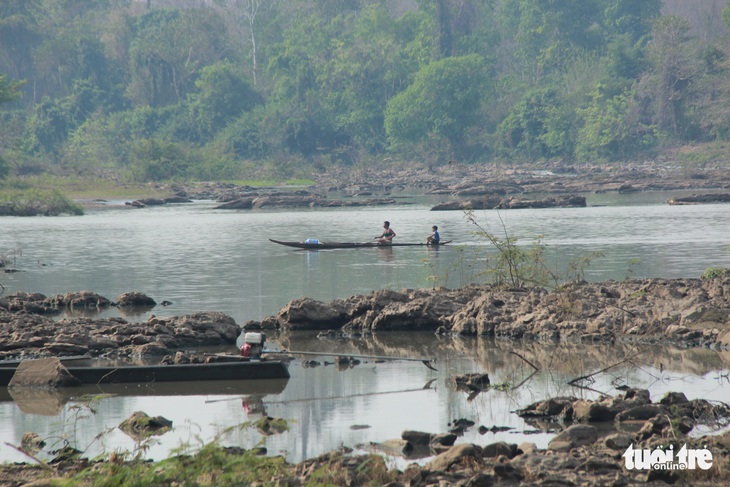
(514,266)
(633,262)
(714,272)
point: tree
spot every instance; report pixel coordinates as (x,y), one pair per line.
(631,18)
(675,64)
(443,100)
(9,90)
(612,128)
(166,52)
(549,33)
(539,126)
(222,95)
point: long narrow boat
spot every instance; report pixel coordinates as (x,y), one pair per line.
(351,245)
(111,374)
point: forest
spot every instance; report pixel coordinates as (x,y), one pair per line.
(152,90)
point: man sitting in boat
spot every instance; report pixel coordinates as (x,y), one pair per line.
(434,238)
(386,238)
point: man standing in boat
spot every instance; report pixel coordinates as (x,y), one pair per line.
(386,238)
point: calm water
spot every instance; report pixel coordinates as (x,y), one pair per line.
(205,259)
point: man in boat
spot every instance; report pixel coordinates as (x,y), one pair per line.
(434,238)
(386,238)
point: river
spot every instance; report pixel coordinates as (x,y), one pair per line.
(200,258)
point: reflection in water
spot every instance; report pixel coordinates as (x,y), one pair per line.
(203,259)
(373,401)
(385,253)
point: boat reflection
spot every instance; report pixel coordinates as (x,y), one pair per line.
(50,402)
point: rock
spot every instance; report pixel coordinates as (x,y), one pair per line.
(562,446)
(471,382)
(32,442)
(444,439)
(671,398)
(151,350)
(526,448)
(547,408)
(575,436)
(499,448)
(309,314)
(643,412)
(42,373)
(654,427)
(135,300)
(456,454)
(139,425)
(417,438)
(397,446)
(699,198)
(79,300)
(618,442)
(590,411)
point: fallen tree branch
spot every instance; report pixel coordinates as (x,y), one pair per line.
(43,464)
(527,361)
(588,376)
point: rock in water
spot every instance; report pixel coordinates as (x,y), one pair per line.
(44,373)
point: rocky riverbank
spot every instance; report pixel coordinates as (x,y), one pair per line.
(621,440)
(692,312)
(28,326)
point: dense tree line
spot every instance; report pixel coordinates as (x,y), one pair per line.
(223,88)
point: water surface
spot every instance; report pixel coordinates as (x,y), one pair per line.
(200,259)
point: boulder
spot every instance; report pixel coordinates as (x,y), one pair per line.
(671,398)
(444,439)
(618,442)
(417,438)
(135,300)
(644,412)
(575,436)
(42,373)
(454,455)
(498,449)
(310,314)
(139,425)
(591,411)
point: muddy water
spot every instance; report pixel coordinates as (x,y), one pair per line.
(204,259)
(329,406)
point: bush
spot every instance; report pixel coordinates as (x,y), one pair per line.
(34,202)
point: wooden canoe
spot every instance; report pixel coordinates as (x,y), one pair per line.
(352,245)
(112,374)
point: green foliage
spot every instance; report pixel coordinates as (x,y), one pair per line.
(524,266)
(715,272)
(9,90)
(444,100)
(158,160)
(291,86)
(223,94)
(539,126)
(514,266)
(611,128)
(34,202)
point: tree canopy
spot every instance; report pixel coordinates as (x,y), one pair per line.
(221,89)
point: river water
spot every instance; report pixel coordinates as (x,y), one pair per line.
(200,259)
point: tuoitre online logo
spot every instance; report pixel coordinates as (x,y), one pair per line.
(660,459)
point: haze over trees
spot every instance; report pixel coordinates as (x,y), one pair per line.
(221,89)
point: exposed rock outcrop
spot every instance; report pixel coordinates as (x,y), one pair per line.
(689,311)
(38,335)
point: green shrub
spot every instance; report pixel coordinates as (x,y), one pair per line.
(33,202)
